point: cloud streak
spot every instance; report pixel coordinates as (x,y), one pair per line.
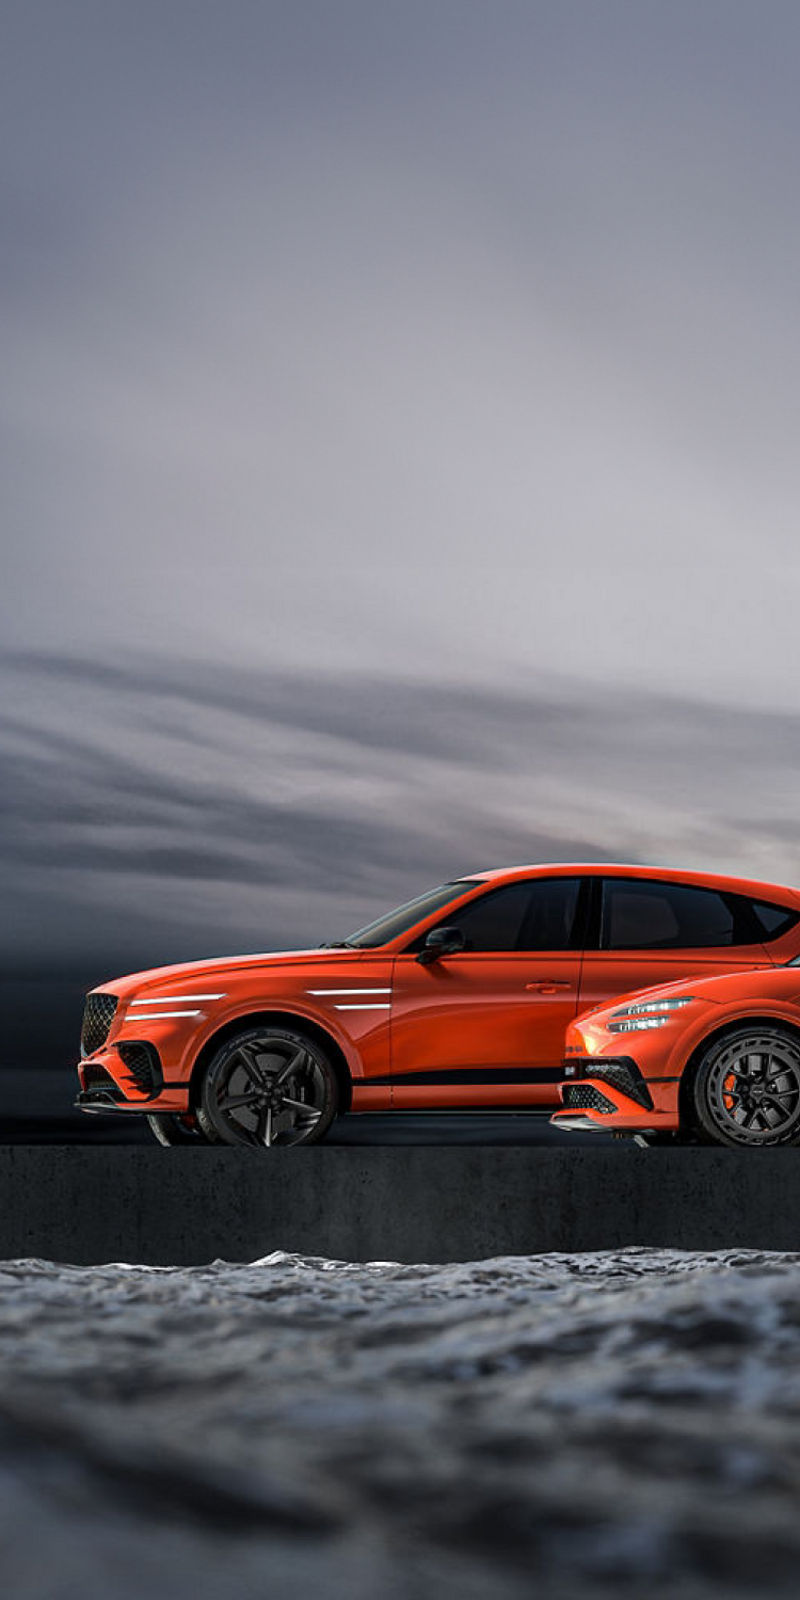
(297,807)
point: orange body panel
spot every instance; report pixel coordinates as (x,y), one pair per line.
(478,1028)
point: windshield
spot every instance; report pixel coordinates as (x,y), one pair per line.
(405,917)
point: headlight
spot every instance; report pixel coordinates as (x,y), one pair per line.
(646,1014)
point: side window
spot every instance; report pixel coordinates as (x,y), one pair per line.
(535,915)
(550,922)
(771,920)
(644,915)
(494,922)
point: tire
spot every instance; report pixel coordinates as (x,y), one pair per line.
(662,1140)
(746,1090)
(243,1097)
(171,1129)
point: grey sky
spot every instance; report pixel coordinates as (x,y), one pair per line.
(458,337)
(425,375)
(158,808)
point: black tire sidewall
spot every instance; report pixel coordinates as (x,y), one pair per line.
(166,1128)
(704,1121)
(218,1129)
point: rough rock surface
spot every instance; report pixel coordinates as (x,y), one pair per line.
(622,1422)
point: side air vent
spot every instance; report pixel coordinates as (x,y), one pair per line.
(143,1063)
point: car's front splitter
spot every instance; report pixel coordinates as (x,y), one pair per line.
(586,1122)
(95,1101)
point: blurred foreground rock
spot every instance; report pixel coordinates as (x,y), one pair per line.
(611,1423)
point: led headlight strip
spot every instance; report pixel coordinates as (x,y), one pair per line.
(646,1014)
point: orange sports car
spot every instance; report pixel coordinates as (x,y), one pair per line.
(458,1000)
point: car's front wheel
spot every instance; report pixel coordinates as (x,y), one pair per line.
(746,1090)
(268,1086)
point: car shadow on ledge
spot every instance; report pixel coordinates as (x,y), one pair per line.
(393,1128)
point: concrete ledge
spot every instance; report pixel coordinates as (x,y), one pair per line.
(185,1207)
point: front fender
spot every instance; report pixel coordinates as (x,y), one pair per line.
(365,1044)
(725,1018)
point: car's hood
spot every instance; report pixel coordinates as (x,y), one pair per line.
(203,972)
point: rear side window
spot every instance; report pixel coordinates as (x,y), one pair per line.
(772,921)
(650,915)
(536,915)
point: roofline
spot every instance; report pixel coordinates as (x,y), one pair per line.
(638,870)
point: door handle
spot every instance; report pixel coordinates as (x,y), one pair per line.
(549,985)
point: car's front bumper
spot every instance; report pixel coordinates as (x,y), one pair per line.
(129,1076)
(610,1094)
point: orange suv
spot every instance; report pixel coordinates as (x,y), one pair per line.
(458,1000)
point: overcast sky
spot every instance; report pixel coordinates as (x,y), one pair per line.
(400,468)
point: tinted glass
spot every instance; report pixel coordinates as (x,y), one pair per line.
(532,915)
(550,923)
(772,920)
(642,915)
(407,916)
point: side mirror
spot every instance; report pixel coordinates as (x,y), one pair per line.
(441,942)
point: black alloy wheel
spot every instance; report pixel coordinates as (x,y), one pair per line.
(268,1086)
(171,1128)
(746,1091)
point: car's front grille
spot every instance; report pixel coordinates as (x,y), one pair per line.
(584,1097)
(95,1077)
(143,1063)
(98,1015)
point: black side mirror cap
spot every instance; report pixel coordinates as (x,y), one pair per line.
(441,942)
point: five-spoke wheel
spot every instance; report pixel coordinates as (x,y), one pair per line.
(268,1086)
(747,1088)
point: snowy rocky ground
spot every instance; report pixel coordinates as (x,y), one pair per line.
(598,1424)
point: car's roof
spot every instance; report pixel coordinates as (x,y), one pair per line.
(712,880)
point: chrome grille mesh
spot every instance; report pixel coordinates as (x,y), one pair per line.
(98,1015)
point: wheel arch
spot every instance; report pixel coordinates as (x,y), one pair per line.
(731,1025)
(282,1019)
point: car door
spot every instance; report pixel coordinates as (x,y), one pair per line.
(486,1026)
(655,931)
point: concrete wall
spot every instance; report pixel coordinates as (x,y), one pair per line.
(88,1205)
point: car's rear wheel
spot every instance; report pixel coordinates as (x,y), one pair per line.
(268,1086)
(746,1090)
(173,1128)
